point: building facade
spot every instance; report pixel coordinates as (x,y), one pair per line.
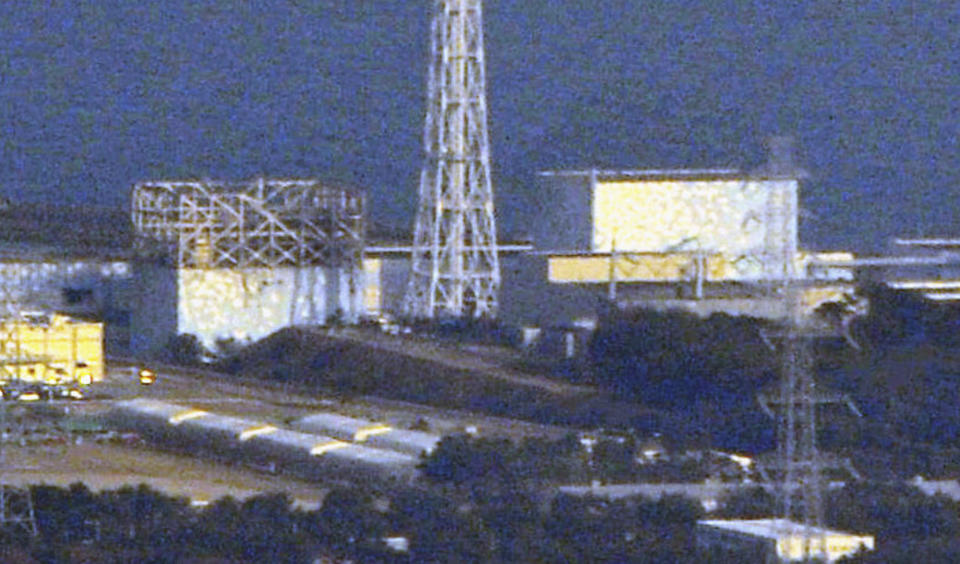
(51,349)
(704,241)
(760,540)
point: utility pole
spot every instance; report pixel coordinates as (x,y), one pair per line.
(454,269)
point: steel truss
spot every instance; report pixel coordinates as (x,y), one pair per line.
(455,269)
(260,223)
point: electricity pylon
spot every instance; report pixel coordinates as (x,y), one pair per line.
(794,405)
(454,269)
(16,503)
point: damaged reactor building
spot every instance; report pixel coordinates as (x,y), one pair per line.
(238,261)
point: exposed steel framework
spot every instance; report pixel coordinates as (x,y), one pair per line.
(455,270)
(260,223)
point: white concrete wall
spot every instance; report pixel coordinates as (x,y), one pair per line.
(249,304)
(732,217)
(41,284)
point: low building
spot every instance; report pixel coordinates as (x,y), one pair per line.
(51,348)
(760,539)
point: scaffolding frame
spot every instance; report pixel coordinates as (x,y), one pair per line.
(259,223)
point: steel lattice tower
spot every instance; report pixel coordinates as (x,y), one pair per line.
(455,270)
(799,480)
(16,503)
(800,495)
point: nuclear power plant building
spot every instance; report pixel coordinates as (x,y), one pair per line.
(705,241)
(239,261)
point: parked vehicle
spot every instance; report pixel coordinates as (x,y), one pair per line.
(147,376)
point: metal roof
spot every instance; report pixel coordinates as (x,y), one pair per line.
(771,528)
(233,425)
(375,434)
(152,407)
(666,174)
(308,442)
(332,421)
(417,440)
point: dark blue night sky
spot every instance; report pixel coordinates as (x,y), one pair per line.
(97,95)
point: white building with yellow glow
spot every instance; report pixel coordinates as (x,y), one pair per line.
(51,349)
(764,540)
(712,240)
(239,260)
(663,225)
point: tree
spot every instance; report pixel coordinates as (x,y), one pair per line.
(753,503)
(461,458)
(184,349)
(349,522)
(437,530)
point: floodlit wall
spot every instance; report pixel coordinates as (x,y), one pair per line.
(831,547)
(759,538)
(243,305)
(372,294)
(730,217)
(636,267)
(674,267)
(54,349)
(748,225)
(250,304)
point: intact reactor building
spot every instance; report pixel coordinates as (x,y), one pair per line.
(238,261)
(704,241)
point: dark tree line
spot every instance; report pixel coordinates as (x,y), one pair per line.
(904,378)
(138,524)
(477,521)
(707,372)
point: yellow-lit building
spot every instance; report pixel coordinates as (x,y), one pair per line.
(53,349)
(667,225)
(761,540)
(704,241)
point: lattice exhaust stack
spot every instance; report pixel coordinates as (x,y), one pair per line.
(455,270)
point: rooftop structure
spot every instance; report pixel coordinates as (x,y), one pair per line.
(260,223)
(764,538)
